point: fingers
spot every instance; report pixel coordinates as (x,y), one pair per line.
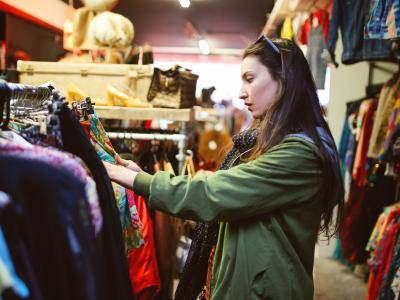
(120,175)
(127,164)
(109,168)
(120,161)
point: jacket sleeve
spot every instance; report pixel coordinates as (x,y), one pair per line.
(287,175)
(334,25)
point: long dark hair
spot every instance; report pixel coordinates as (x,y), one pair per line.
(298,109)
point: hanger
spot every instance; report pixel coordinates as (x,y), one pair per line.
(5,100)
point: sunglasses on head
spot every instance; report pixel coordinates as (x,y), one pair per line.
(263,37)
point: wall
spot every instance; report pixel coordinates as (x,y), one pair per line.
(47,13)
(40,43)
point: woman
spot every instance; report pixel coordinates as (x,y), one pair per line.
(278,194)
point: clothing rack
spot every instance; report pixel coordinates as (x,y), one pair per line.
(178,138)
(19,94)
(18,91)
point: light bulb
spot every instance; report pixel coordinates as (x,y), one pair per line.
(184,3)
(204,47)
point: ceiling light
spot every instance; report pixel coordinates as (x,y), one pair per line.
(184,3)
(204,47)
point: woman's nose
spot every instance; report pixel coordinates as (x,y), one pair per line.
(242,93)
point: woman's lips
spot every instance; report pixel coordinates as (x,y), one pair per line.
(249,107)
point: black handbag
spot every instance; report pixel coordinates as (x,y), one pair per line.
(173,88)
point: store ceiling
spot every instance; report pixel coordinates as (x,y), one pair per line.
(224,23)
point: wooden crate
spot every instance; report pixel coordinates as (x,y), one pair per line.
(91,78)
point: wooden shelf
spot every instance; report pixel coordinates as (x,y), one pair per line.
(130,113)
(285,8)
(205,114)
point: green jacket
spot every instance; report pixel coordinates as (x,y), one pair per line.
(270,211)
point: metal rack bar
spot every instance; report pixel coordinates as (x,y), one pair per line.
(146,136)
(179,138)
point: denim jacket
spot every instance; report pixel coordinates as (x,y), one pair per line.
(350,16)
(384,20)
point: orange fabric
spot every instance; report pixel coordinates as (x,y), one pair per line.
(371,280)
(209,273)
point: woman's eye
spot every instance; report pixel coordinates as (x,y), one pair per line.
(249,79)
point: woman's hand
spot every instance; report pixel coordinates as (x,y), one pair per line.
(121,175)
(127,164)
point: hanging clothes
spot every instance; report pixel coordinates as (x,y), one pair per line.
(351,24)
(64,161)
(72,212)
(110,254)
(323,20)
(366,120)
(368,189)
(382,246)
(58,217)
(143,266)
(383,20)
(316,44)
(287,29)
(386,152)
(386,104)
(127,211)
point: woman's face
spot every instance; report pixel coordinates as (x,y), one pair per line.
(259,90)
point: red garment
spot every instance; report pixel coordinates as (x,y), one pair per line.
(143,266)
(375,284)
(323,19)
(360,161)
(352,212)
(305,28)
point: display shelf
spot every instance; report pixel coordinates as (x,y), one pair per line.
(130,113)
(205,114)
(284,8)
(184,115)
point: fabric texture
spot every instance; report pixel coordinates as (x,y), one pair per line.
(384,20)
(129,218)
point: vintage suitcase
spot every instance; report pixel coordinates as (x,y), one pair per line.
(90,78)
